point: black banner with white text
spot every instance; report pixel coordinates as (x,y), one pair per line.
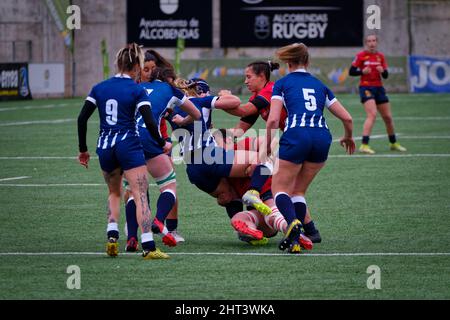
(14,84)
(274,23)
(159,23)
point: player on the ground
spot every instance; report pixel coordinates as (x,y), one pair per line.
(252,226)
(207,164)
(371,65)
(306,140)
(119,149)
(163,97)
(257,80)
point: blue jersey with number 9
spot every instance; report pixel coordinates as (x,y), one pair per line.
(118,100)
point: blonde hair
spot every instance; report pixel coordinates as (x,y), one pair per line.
(189,87)
(128,57)
(296,53)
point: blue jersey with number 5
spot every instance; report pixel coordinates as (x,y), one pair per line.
(118,100)
(304,98)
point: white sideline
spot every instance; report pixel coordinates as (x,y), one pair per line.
(47,106)
(25,123)
(15,178)
(336,254)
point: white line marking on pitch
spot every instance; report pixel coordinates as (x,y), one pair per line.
(25,123)
(337,254)
(50,106)
(14,178)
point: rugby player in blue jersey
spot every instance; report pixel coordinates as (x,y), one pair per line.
(119,149)
(208,165)
(163,97)
(306,140)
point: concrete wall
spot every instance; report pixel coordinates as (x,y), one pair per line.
(28,22)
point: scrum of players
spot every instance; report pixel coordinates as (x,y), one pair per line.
(262,191)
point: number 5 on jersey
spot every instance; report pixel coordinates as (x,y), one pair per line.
(310,100)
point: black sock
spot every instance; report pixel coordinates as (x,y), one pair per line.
(148,246)
(234,207)
(172,224)
(113,234)
(365,139)
(392,139)
(310,228)
(132,223)
(300,211)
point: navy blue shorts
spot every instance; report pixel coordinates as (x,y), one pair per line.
(298,145)
(150,146)
(126,154)
(376,93)
(216,164)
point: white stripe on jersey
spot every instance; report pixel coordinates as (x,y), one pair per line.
(328,103)
(320,122)
(124,136)
(113,143)
(303,123)
(100,139)
(105,143)
(294,121)
(143,103)
(286,124)
(92,100)
(311,123)
(213,102)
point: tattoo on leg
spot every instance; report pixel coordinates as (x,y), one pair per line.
(142,189)
(109,213)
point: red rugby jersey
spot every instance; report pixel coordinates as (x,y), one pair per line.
(372,60)
(261,100)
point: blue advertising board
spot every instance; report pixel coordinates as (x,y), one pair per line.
(428,74)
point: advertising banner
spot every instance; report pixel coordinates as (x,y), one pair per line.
(14,81)
(47,78)
(229,73)
(429,74)
(159,23)
(57,10)
(274,23)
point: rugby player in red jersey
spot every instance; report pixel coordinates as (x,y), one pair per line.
(371,65)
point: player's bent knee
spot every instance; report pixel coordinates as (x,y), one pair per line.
(224,198)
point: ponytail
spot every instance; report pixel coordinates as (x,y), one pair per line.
(130,56)
(263,67)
